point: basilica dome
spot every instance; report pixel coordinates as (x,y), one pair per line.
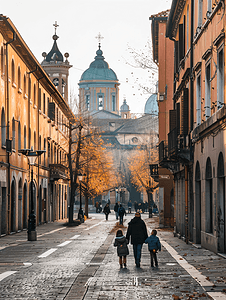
(99,69)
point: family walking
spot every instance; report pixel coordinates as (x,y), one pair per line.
(137,231)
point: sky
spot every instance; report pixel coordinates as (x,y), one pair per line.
(121,23)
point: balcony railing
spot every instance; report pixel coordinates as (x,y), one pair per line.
(162,151)
(58,171)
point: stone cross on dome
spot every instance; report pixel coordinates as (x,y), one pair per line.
(55,25)
(99,37)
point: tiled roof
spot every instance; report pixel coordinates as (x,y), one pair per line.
(162,14)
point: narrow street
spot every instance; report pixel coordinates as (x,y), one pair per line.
(81,263)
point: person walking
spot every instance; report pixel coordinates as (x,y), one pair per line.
(153,246)
(116,207)
(121,213)
(97,207)
(106,211)
(135,206)
(129,207)
(122,249)
(137,230)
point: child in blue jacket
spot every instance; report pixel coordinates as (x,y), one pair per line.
(153,246)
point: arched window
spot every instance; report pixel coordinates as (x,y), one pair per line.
(3,128)
(34,94)
(13,134)
(2,60)
(209,197)
(25,138)
(13,71)
(19,78)
(25,84)
(19,136)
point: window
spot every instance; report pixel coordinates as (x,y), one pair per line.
(88,102)
(198,100)
(25,85)
(35,148)
(44,152)
(220,78)
(187,35)
(44,103)
(34,96)
(13,71)
(200,13)
(25,138)
(13,134)
(2,60)
(19,136)
(100,102)
(209,8)
(208,91)
(113,103)
(19,78)
(3,128)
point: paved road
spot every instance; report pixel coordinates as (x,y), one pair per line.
(81,263)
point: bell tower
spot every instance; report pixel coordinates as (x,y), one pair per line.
(56,67)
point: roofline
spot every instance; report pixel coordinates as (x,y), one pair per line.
(174,18)
(8,29)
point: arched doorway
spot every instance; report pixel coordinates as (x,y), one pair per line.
(25,206)
(198,211)
(221,204)
(209,197)
(20,216)
(13,206)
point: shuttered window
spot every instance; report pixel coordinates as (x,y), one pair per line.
(51,111)
(184,121)
(178,117)
(172,119)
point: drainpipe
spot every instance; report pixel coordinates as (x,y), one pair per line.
(191,68)
(7,119)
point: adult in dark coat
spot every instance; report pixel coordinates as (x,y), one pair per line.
(116,207)
(121,213)
(106,211)
(137,230)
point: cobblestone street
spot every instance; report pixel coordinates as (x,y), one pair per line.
(81,263)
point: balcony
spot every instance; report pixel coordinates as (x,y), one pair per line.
(162,151)
(58,171)
(179,149)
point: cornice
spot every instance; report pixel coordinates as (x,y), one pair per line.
(174,18)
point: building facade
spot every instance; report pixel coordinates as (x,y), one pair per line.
(196,144)
(34,115)
(163,50)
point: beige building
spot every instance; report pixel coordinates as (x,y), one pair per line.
(33,115)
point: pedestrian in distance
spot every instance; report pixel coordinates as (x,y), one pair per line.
(135,206)
(129,207)
(122,249)
(116,207)
(97,207)
(107,211)
(121,213)
(153,246)
(137,230)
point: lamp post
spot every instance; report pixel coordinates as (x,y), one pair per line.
(80,212)
(31,155)
(116,191)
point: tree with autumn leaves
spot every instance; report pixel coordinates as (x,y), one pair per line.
(88,156)
(139,166)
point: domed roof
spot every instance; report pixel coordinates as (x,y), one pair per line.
(54,54)
(124,106)
(151,106)
(99,69)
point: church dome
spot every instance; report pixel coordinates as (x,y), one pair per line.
(151,106)
(124,106)
(99,69)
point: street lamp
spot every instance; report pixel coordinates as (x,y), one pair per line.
(116,190)
(31,155)
(80,212)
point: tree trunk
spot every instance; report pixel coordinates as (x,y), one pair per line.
(86,205)
(149,204)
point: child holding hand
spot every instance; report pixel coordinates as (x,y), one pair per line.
(153,246)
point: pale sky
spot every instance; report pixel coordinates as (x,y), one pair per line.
(120,22)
